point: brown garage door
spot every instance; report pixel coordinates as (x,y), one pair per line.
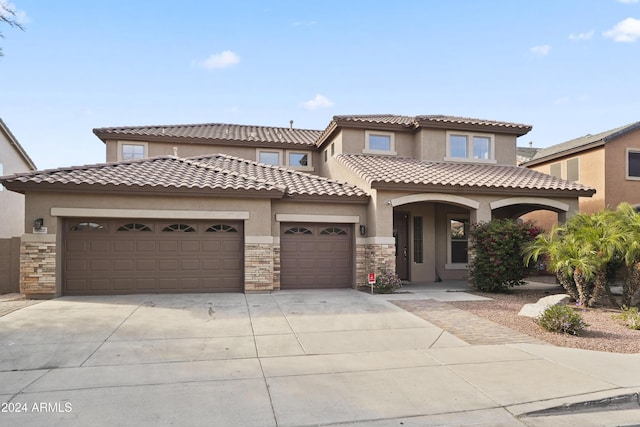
(150,256)
(316,256)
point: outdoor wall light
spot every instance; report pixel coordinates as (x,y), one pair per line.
(363,229)
(38,223)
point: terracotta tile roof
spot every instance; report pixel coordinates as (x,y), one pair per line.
(295,182)
(453,120)
(425,121)
(214,131)
(581,143)
(402,170)
(215,172)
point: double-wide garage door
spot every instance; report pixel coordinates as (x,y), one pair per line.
(109,256)
(316,256)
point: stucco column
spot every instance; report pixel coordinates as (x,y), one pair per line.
(482,214)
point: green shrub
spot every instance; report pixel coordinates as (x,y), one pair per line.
(630,316)
(563,319)
(386,282)
(496,248)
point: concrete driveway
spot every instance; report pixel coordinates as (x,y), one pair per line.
(291,358)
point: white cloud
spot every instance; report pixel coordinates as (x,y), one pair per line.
(581,36)
(19,15)
(223,59)
(320,101)
(542,50)
(629,1)
(627,30)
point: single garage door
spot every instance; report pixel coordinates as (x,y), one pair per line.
(316,256)
(109,256)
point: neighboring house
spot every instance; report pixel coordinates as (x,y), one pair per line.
(13,159)
(524,154)
(608,162)
(221,207)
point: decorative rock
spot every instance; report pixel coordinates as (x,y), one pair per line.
(535,310)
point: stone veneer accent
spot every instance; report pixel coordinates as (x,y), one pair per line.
(276,267)
(372,258)
(258,267)
(38,269)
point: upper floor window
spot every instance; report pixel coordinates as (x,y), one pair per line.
(633,163)
(132,151)
(555,169)
(269,157)
(299,160)
(573,169)
(470,146)
(379,142)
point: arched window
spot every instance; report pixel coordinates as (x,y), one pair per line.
(134,226)
(333,230)
(179,227)
(224,228)
(298,230)
(87,226)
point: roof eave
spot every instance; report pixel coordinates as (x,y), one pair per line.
(14,142)
(565,153)
(457,189)
(511,130)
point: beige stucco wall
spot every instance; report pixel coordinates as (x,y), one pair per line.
(193,149)
(39,205)
(591,166)
(11,204)
(618,188)
(317,211)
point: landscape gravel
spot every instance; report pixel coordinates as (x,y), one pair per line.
(604,333)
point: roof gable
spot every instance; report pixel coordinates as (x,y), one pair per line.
(582,143)
(208,132)
(203,174)
(13,141)
(389,170)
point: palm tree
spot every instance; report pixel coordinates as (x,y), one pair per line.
(579,253)
(630,221)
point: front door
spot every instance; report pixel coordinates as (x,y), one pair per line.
(401,234)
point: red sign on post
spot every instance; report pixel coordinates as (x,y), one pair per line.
(372,278)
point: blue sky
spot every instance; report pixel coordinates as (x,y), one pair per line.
(566,67)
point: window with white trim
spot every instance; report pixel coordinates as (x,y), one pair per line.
(465,146)
(269,157)
(132,151)
(299,160)
(379,142)
(458,241)
(633,164)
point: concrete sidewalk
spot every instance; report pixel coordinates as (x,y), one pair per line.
(290,358)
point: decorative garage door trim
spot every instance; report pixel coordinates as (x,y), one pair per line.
(121,256)
(148,213)
(344,219)
(316,255)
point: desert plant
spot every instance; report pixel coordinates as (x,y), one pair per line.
(630,316)
(561,319)
(580,253)
(497,246)
(387,282)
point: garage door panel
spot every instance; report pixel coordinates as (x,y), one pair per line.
(167,246)
(130,261)
(168,265)
(190,246)
(99,265)
(146,265)
(314,259)
(99,285)
(123,245)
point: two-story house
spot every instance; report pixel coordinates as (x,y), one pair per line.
(608,161)
(221,207)
(13,159)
